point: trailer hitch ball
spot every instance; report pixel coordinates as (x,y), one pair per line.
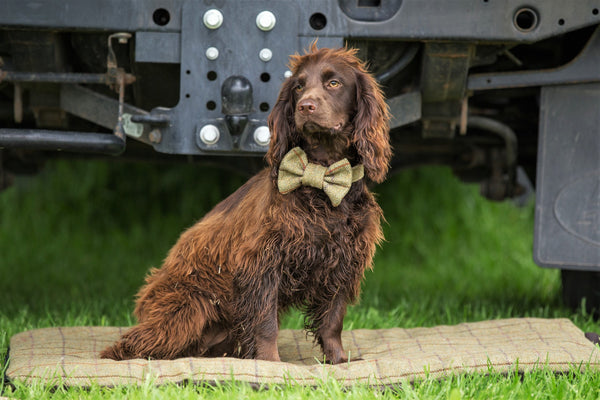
(236,96)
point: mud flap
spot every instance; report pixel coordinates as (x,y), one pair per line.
(567,218)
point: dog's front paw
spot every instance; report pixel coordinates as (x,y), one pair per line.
(336,357)
(342,360)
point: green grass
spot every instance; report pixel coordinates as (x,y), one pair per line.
(77,240)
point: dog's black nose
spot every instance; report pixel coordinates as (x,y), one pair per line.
(307,106)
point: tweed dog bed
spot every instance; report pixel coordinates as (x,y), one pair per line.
(69,356)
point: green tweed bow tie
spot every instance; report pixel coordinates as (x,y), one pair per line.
(335,180)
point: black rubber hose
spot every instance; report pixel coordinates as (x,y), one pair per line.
(403,61)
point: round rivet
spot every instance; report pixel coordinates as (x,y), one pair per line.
(212,53)
(213,18)
(262,136)
(265,21)
(209,134)
(287,74)
(265,54)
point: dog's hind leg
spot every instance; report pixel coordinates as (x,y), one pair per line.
(173,328)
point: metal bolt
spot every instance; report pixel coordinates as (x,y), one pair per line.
(122,37)
(212,18)
(212,53)
(287,74)
(262,136)
(265,21)
(155,136)
(209,134)
(131,128)
(265,54)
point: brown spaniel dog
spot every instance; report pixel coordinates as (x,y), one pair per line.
(301,233)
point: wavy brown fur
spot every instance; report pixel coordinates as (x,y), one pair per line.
(228,278)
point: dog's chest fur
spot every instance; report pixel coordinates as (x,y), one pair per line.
(322,254)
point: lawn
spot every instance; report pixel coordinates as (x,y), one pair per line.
(77,240)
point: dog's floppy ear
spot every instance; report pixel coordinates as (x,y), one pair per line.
(281,125)
(371,127)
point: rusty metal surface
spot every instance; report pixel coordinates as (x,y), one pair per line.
(443,86)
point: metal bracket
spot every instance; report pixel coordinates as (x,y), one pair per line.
(118,74)
(101,110)
(582,69)
(443,86)
(239,43)
(405,109)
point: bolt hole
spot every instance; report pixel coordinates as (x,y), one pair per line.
(187,71)
(187,95)
(161,17)
(561,22)
(211,76)
(264,107)
(595,11)
(211,105)
(265,77)
(525,19)
(317,21)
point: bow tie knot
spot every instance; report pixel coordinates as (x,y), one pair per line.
(335,180)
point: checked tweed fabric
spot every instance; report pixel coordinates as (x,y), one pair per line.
(69,356)
(335,180)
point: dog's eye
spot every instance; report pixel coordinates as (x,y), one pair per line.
(299,87)
(333,83)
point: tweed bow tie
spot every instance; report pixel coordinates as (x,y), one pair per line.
(335,180)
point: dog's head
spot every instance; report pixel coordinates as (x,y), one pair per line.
(331,94)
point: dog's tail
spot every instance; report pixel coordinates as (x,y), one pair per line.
(118,351)
(165,334)
(215,341)
(140,342)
